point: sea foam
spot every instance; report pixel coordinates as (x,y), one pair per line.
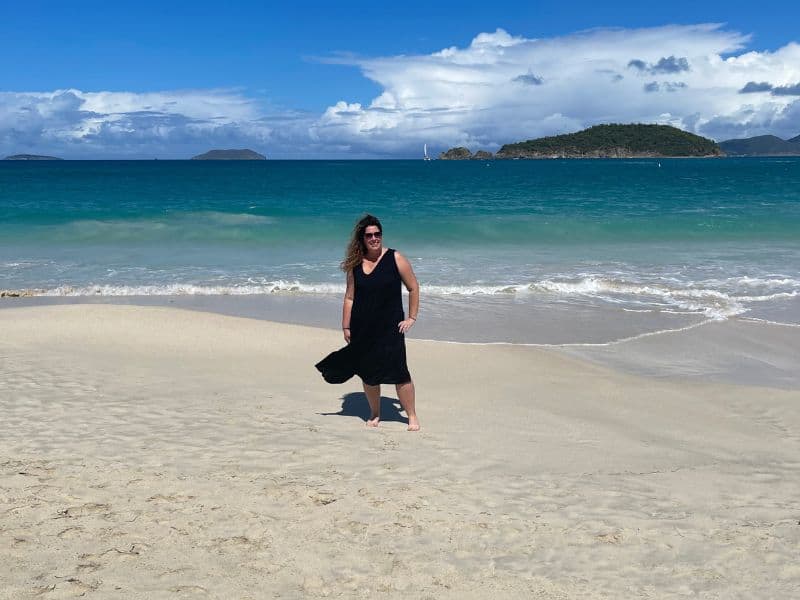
(676,298)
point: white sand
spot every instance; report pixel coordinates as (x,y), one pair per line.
(158,453)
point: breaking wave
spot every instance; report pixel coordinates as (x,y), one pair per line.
(715,300)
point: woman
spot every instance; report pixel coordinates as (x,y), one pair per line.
(373,322)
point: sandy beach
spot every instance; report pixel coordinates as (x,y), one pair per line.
(151,452)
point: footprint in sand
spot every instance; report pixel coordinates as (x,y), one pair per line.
(69,588)
(322,498)
(69,532)
(236,541)
(170,498)
(610,538)
(85,510)
(89,567)
(189,589)
(114,554)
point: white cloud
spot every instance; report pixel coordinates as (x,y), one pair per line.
(688,76)
(170,124)
(501,88)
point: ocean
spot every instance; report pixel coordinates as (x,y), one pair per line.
(548,251)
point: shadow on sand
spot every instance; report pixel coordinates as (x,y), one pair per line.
(355,404)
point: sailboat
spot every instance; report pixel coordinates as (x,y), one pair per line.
(425,152)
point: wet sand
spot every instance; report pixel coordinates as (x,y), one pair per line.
(745,350)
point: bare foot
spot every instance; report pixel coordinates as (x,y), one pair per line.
(373,422)
(413,424)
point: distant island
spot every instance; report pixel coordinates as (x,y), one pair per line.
(762,145)
(31,157)
(604,141)
(230,155)
(462,153)
(457,153)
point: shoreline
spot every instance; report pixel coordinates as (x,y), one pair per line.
(152,451)
(688,347)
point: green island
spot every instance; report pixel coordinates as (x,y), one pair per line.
(230,155)
(615,141)
(604,141)
(461,153)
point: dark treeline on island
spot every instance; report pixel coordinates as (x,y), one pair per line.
(604,141)
(230,155)
(461,153)
(615,141)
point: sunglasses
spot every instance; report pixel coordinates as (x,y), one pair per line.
(377,234)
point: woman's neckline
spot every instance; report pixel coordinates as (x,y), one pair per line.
(377,262)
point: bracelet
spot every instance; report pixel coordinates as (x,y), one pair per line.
(413,318)
(345,329)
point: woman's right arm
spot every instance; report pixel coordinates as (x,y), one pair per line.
(347,307)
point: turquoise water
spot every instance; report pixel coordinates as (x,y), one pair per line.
(716,238)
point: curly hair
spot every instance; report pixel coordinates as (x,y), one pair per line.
(356,247)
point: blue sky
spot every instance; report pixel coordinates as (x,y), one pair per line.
(368,80)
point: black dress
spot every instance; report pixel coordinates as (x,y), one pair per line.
(377,350)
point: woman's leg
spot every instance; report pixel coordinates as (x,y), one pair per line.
(406,395)
(373,393)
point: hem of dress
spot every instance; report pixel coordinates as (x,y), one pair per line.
(389,381)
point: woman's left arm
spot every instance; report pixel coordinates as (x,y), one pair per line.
(410,281)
